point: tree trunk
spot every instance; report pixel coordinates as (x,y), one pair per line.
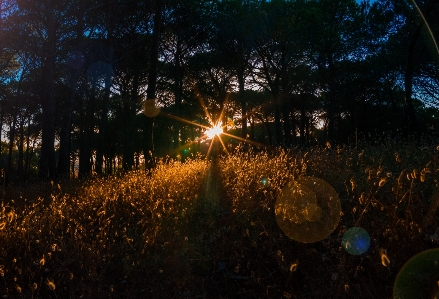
(20,152)
(63,170)
(287,121)
(307,131)
(72,165)
(85,154)
(277,122)
(31,153)
(285,101)
(1,127)
(104,115)
(410,115)
(152,82)
(331,100)
(302,124)
(268,128)
(11,147)
(177,92)
(27,155)
(130,129)
(242,100)
(47,156)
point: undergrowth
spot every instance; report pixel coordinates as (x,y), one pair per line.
(169,233)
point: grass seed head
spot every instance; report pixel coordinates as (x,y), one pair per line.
(50,285)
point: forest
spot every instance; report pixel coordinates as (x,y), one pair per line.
(74,76)
(219,149)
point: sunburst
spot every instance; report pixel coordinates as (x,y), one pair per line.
(213,132)
(216,130)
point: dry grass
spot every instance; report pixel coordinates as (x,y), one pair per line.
(176,233)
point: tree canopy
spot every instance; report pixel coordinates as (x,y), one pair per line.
(74,75)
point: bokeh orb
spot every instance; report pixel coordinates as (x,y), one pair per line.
(356,241)
(313,212)
(264,181)
(149,108)
(308,209)
(419,277)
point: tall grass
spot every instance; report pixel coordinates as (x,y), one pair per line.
(150,235)
(96,241)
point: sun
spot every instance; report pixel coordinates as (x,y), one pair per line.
(216,130)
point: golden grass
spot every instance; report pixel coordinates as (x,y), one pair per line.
(151,235)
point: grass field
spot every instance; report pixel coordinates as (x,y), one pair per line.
(207,228)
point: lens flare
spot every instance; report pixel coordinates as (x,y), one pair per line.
(216,130)
(307,209)
(356,240)
(149,108)
(419,276)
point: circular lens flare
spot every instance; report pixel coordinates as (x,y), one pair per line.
(216,130)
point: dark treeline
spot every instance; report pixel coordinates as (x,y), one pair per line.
(74,74)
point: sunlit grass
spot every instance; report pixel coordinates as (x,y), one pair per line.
(76,240)
(143,234)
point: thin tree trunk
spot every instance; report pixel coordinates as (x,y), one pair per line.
(63,170)
(287,121)
(152,82)
(26,160)
(47,157)
(177,92)
(331,101)
(31,155)
(285,101)
(104,115)
(20,152)
(130,129)
(307,131)
(11,147)
(85,154)
(8,174)
(302,124)
(277,120)
(242,100)
(1,127)
(410,115)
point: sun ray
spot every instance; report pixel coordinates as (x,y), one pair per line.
(255,143)
(216,129)
(184,120)
(204,108)
(210,148)
(176,150)
(226,101)
(222,143)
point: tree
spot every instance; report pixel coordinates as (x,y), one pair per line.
(336,35)
(236,30)
(42,26)
(152,81)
